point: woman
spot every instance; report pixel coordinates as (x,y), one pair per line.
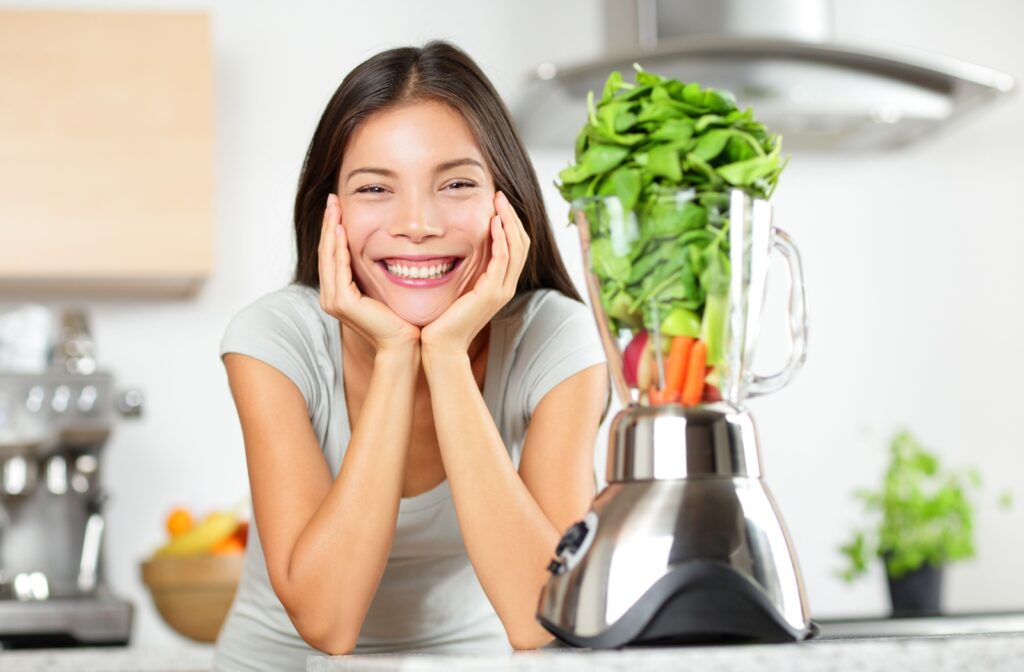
(420,406)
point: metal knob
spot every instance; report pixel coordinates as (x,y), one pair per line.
(87,398)
(129,403)
(61,397)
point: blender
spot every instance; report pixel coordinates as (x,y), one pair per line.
(686,543)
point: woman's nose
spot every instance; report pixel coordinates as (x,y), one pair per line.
(415,220)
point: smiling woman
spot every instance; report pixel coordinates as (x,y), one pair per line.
(419,407)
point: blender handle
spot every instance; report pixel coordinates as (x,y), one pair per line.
(757,384)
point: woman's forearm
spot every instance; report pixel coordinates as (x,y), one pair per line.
(339,558)
(508,536)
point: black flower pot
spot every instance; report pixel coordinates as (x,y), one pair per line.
(917,593)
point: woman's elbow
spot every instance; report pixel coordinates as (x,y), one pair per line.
(334,646)
(530,640)
(320,631)
(332,641)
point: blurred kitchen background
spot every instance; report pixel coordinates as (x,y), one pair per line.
(912,262)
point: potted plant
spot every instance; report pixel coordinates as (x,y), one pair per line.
(922,519)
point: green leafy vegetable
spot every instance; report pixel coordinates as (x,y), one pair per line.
(669,152)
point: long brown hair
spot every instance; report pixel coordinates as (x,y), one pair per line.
(437,71)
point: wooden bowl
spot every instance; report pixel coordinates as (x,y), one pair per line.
(193,594)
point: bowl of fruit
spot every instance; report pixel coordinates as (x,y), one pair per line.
(192,578)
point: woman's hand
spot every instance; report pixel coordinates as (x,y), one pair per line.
(456,328)
(341,298)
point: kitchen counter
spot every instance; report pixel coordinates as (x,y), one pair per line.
(188,658)
(1001,652)
(863,645)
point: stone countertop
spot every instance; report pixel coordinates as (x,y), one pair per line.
(1002,652)
(187,658)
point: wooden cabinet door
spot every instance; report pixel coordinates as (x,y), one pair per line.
(106,152)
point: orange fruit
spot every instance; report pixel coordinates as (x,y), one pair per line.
(227,546)
(179,521)
(242,532)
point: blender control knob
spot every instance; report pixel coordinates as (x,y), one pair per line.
(572,539)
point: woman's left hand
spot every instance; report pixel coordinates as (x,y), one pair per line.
(456,328)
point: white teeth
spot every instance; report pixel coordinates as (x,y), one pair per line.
(420,272)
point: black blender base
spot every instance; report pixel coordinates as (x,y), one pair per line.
(700,602)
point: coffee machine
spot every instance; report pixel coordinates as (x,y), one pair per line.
(54,423)
(686,543)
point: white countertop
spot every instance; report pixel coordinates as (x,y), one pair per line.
(1003,652)
(989,653)
(188,658)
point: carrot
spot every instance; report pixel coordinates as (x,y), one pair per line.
(675,372)
(653,396)
(669,396)
(693,390)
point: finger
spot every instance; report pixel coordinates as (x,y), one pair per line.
(343,261)
(325,253)
(510,215)
(496,267)
(517,241)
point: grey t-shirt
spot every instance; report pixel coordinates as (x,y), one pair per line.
(429,597)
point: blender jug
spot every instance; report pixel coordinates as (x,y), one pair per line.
(649,276)
(686,543)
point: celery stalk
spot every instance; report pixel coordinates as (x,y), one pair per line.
(713,327)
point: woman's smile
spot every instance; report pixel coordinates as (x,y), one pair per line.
(420,273)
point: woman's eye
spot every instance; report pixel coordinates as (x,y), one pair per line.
(460,184)
(370,189)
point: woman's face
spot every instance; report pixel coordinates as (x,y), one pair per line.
(416,201)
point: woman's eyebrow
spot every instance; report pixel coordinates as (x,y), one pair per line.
(455,163)
(440,168)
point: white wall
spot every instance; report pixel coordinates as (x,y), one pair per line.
(910,263)
(913,270)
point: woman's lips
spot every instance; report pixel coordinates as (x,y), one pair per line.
(419,261)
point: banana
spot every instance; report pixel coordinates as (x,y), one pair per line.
(201,538)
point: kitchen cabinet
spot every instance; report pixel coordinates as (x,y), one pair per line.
(106,152)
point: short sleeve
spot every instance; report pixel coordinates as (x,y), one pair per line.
(561,341)
(276,330)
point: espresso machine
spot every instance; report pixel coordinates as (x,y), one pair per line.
(54,423)
(686,543)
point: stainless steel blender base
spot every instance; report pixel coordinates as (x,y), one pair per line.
(699,602)
(686,545)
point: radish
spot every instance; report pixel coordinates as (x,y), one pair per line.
(631,357)
(647,369)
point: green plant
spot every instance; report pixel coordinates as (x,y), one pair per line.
(923,513)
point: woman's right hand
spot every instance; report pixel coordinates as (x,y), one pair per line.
(341,298)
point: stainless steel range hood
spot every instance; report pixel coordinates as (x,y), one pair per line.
(777,56)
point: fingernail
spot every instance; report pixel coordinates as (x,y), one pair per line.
(501,197)
(329,199)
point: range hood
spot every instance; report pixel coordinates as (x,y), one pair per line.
(777,56)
